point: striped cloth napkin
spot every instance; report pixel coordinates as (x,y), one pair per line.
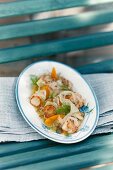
(14,128)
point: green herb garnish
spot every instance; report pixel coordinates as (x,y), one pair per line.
(64,87)
(63,109)
(34,79)
(52,95)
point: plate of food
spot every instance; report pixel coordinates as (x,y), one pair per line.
(57,102)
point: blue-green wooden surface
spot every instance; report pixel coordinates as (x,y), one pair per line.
(55,47)
(54,24)
(48,48)
(33,6)
(47,155)
(100,67)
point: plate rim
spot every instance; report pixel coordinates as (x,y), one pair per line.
(37,129)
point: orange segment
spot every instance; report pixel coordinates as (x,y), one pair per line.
(49,121)
(54,73)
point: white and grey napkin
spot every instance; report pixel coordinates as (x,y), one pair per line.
(14,128)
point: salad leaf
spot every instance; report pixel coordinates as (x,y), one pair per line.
(63,109)
(34,79)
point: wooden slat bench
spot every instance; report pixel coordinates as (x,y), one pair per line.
(45,154)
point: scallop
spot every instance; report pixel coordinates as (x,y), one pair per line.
(35,101)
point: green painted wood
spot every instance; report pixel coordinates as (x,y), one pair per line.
(78,155)
(71,162)
(29,7)
(55,152)
(54,24)
(100,67)
(14,148)
(56,47)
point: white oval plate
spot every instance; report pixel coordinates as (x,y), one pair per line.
(23,92)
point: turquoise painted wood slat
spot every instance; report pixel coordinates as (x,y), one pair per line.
(55,152)
(75,155)
(54,24)
(14,148)
(100,67)
(56,47)
(73,162)
(29,7)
